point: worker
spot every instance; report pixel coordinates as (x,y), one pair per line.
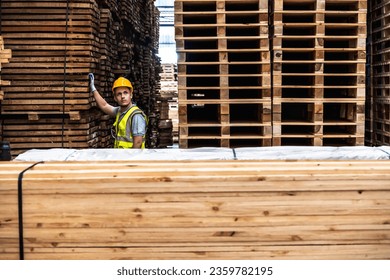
(130,124)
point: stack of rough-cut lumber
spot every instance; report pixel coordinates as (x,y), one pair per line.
(378,93)
(5,55)
(197,210)
(55,46)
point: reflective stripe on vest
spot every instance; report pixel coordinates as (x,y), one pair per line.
(123,139)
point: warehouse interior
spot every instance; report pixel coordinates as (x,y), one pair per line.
(268,133)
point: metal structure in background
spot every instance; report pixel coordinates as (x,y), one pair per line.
(167,44)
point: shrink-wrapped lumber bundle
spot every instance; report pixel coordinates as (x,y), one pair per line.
(5,55)
(196,210)
(55,46)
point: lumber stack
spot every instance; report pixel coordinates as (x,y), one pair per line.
(185,210)
(319,72)
(55,46)
(5,55)
(378,117)
(223,73)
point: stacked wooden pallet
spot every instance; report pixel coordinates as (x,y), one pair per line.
(379,91)
(168,82)
(319,72)
(184,210)
(55,46)
(169,94)
(168,72)
(369,116)
(224,73)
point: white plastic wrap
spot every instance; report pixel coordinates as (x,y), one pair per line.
(312,153)
(266,153)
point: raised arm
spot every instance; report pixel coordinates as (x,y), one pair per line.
(102,103)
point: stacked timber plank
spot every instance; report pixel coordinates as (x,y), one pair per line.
(183,210)
(5,55)
(165,138)
(379,91)
(319,72)
(369,117)
(55,46)
(223,73)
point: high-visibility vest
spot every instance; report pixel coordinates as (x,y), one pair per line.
(122,139)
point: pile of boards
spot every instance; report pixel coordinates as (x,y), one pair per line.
(55,45)
(378,70)
(271,72)
(202,209)
(5,55)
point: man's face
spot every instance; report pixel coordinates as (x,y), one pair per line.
(122,96)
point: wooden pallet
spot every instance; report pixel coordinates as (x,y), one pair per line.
(223,68)
(318,72)
(184,210)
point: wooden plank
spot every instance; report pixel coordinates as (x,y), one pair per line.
(198,209)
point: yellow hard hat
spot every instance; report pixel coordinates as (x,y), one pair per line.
(121,82)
